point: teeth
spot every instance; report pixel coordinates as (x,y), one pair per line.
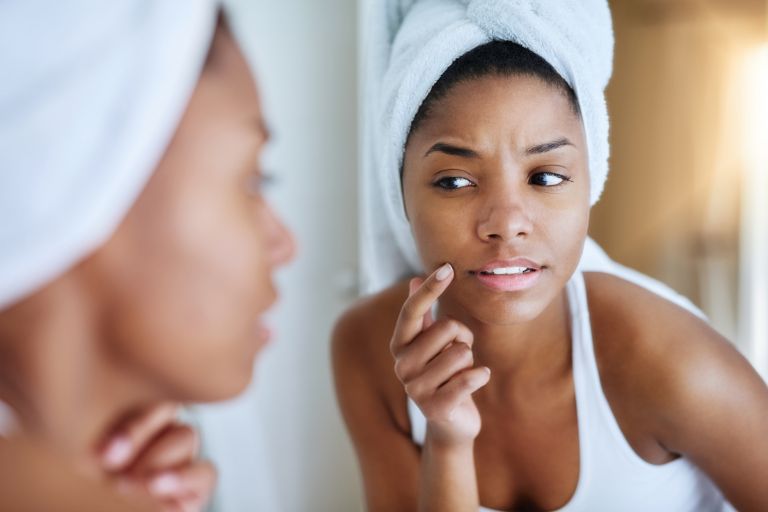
(505,271)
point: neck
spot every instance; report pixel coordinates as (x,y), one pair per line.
(522,356)
(58,377)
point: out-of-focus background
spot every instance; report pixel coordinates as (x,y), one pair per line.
(688,164)
(686,202)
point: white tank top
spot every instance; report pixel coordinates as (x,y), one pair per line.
(612,477)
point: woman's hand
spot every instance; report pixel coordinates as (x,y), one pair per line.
(434,362)
(153,454)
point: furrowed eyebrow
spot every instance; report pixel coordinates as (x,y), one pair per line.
(548,146)
(463,152)
(450,149)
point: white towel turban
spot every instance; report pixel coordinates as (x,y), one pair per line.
(91,92)
(410,44)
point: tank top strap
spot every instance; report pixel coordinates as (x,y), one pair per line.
(598,429)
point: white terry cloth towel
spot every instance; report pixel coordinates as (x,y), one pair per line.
(409,44)
(90,96)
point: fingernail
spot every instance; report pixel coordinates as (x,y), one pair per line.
(118,452)
(444,271)
(165,484)
(487,370)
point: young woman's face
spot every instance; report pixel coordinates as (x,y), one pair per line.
(188,274)
(496,179)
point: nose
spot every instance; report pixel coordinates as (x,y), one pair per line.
(281,244)
(505,219)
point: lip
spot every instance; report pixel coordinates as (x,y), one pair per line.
(516,262)
(262,334)
(509,282)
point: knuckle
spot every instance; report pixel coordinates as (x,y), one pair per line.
(428,409)
(466,380)
(393,346)
(444,326)
(461,353)
(452,325)
(413,388)
(400,368)
(465,353)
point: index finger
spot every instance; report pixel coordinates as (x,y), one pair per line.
(419,303)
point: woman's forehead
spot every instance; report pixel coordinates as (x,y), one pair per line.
(522,107)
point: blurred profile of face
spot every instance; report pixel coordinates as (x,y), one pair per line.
(185,280)
(496,177)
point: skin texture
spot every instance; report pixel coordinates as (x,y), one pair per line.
(509,440)
(168,310)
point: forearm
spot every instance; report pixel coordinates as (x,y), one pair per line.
(448,479)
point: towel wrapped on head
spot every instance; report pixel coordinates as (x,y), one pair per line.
(91,95)
(410,44)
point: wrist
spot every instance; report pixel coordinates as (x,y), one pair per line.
(437,439)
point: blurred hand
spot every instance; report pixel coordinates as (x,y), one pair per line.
(434,362)
(153,454)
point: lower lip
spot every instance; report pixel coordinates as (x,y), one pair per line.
(509,283)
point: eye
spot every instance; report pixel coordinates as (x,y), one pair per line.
(548,179)
(453,183)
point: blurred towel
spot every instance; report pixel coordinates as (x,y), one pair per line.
(90,96)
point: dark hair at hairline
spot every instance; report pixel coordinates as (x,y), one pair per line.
(500,58)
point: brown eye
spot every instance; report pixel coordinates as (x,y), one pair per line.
(548,179)
(453,183)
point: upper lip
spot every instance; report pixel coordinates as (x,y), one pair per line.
(516,262)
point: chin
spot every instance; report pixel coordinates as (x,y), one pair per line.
(224,389)
(511,312)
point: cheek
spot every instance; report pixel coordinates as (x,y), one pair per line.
(441,228)
(214,263)
(565,234)
(190,306)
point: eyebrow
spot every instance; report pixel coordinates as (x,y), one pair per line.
(548,146)
(450,149)
(463,152)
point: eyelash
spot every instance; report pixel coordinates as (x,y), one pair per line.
(443,182)
(562,177)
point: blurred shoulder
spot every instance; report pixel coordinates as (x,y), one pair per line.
(367,325)
(363,366)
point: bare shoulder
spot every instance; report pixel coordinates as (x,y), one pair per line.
(663,369)
(360,350)
(628,319)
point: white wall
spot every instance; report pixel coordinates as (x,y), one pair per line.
(282,446)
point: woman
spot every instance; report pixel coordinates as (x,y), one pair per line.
(138,249)
(510,378)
